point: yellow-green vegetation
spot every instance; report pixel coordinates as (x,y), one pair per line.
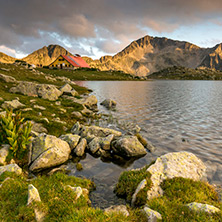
(16,133)
(57,201)
(51,110)
(88,74)
(128,182)
(180,191)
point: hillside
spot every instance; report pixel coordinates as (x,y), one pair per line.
(6,59)
(152,54)
(46,55)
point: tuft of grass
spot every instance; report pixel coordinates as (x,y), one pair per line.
(180,191)
(128,182)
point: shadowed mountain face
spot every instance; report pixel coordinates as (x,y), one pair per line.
(46,55)
(151,54)
(6,59)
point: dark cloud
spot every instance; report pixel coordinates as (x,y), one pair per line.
(25,24)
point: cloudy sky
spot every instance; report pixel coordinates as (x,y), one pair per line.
(104,27)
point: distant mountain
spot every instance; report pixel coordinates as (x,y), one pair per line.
(46,55)
(152,54)
(6,59)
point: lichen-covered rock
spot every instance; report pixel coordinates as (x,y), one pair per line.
(151,215)
(202,207)
(14,104)
(77,190)
(76,128)
(33,194)
(71,139)
(109,103)
(6,78)
(38,127)
(105,142)
(98,131)
(45,91)
(94,145)
(48,151)
(117,209)
(66,88)
(11,168)
(129,146)
(90,102)
(141,186)
(4,151)
(177,164)
(80,148)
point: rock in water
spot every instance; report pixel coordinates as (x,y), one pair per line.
(109,103)
(178,164)
(48,151)
(129,146)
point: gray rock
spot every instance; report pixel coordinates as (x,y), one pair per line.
(48,151)
(38,127)
(129,146)
(109,103)
(26,109)
(117,209)
(4,151)
(58,103)
(197,207)
(94,145)
(98,131)
(151,215)
(14,104)
(106,141)
(33,194)
(77,115)
(76,128)
(141,186)
(80,148)
(39,107)
(6,78)
(11,168)
(66,88)
(71,139)
(177,164)
(45,91)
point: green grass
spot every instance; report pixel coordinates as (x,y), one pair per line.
(57,202)
(180,191)
(88,74)
(128,182)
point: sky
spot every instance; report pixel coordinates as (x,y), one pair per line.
(104,27)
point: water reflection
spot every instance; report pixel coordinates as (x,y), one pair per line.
(174,115)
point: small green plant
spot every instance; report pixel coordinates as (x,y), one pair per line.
(16,133)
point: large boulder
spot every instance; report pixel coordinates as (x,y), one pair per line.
(48,151)
(178,164)
(128,146)
(45,91)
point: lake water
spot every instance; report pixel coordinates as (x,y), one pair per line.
(173,115)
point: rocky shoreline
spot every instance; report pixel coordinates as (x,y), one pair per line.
(48,152)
